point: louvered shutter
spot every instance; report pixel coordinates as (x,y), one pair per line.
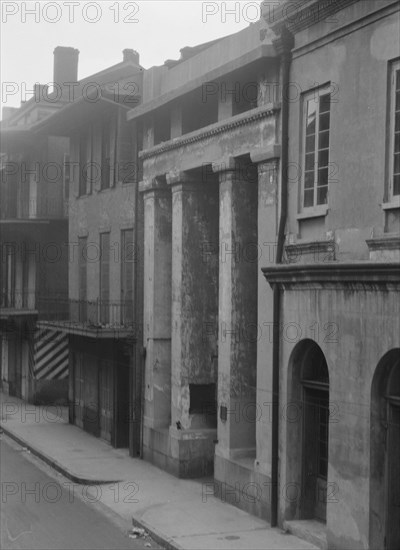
(74,170)
(113,146)
(97,160)
(127,167)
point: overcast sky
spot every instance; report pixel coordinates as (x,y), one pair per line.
(101,30)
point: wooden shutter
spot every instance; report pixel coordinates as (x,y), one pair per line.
(74,158)
(113,147)
(105,278)
(127,274)
(80,313)
(127,165)
(96,172)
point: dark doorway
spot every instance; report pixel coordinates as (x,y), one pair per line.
(385,454)
(392,396)
(122,403)
(91,420)
(315,383)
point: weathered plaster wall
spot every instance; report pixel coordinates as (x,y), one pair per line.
(258,132)
(354,329)
(356,65)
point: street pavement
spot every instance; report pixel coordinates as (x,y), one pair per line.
(178,513)
(42,511)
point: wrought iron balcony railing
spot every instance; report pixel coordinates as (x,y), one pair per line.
(88,313)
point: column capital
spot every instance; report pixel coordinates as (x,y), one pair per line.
(176,177)
(181,181)
(152,184)
(266,154)
(225,164)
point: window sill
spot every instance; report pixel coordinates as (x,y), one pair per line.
(392,205)
(317,212)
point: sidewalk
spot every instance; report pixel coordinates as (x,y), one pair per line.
(177,513)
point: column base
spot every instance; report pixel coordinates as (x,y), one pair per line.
(238,482)
(182,453)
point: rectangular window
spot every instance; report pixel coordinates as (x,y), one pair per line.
(25,281)
(394,184)
(66,176)
(8,262)
(104,278)
(83,163)
(82,269)
(316,123)
(106,154)
(127,274)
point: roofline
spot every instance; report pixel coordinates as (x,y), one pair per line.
(260,52)
(40,126)
(117,66)
(297,15)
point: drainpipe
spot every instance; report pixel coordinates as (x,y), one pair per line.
(135,444)
(285,48)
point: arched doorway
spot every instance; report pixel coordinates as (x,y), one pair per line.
(385,454)
(315,384)
(308,380)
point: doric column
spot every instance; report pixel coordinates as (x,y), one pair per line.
(157,302)
(238,267)
(194,301)
(267,161)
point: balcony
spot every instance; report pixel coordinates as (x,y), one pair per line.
(91,318)
(26,198)
(17,303)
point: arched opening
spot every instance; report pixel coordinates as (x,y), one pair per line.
(308,438)
(385,454)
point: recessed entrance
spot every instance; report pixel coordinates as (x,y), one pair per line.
(307,433)
(315,383)
(385,454)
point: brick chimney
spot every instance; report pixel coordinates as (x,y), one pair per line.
(131,55)
(65,65)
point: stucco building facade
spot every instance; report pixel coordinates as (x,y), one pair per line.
(34,231)
(337,357)
(210,124)
(97,313)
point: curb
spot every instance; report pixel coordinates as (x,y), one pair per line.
(160,539)
(53,463)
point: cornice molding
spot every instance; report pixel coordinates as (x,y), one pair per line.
(212,130)
(295,251)
(384,243)
(297,15)
(335,275)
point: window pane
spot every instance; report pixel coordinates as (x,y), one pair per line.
(309,180)
(397,122)
(396,185)
(324,103)
(323,140)
(397,143)
(310,161)
(324,122)
(323,468)
(323,158)
(310,143)
(397,101)
(308,197)
(322,195)
(323,176)
(397,163)
(311,116)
